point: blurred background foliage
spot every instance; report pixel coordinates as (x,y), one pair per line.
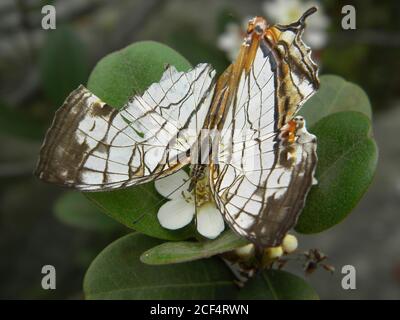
(40,224)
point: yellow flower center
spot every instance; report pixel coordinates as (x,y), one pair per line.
(203,192)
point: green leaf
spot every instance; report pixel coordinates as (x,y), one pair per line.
(277,285)
(115,79)
(117,273)
(175,252)
(130,71)
(335,95)
(63,64)
(74,209)
(347,162)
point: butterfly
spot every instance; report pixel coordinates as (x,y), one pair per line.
(241,129)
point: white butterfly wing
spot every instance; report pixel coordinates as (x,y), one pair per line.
(261,181)
(92,146)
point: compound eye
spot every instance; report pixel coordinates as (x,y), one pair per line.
(259,29)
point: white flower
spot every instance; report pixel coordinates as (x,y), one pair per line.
(288,11)
(231,40)
(180,210)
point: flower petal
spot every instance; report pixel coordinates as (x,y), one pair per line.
(209,221)
(171,186)
(231,40)
(175,214)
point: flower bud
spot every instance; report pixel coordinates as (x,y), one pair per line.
(245,251)
(289,243)
(274,252)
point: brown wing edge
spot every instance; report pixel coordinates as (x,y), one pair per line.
(61,155)
(294,200)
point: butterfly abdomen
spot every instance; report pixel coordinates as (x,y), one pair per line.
(197,174)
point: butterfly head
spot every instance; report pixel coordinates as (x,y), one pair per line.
(257,25)
(299,121)
(303,136)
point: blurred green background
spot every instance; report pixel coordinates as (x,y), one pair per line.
(42,224)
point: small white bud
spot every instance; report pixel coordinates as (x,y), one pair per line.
(274,252)
(245,251)
(289,243)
